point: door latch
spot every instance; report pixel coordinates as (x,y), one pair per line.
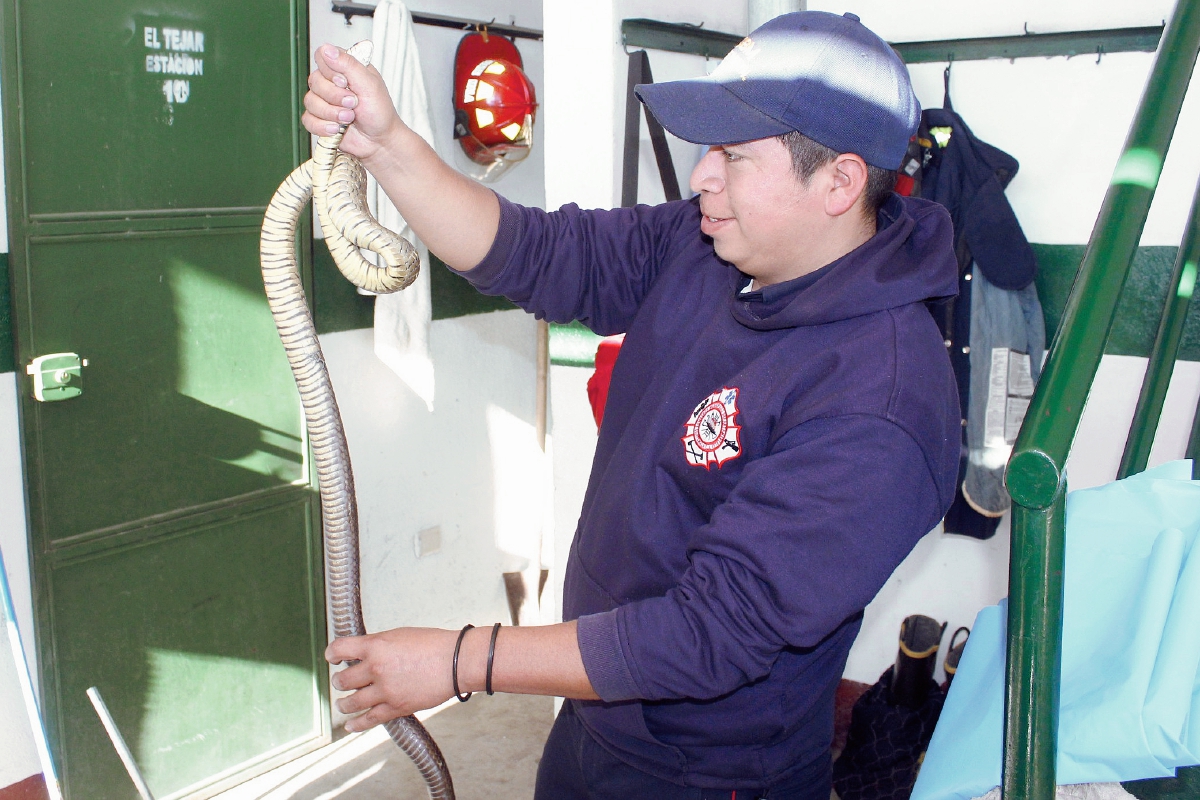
(58,376)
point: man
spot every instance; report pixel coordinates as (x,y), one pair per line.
(781,428)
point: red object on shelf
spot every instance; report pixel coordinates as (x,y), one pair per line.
(597,385)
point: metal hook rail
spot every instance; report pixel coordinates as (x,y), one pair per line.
(679,38)
(352,10)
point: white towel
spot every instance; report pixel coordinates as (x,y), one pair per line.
(402,320)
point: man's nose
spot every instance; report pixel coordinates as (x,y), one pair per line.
(707,176)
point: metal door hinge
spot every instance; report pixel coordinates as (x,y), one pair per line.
(58,376)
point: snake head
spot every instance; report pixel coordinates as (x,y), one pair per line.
(362,51)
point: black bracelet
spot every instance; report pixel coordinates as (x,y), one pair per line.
(462,698)
(491,657)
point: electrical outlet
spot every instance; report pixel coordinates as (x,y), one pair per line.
(428,541)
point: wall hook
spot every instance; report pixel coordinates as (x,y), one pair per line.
(946,83)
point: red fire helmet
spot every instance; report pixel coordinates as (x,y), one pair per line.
(494,103)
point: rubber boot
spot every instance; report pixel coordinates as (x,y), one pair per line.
(912,677)
(954,654)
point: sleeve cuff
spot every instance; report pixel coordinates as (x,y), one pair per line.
(603,658)
(485,273)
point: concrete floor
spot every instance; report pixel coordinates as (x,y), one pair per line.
(492,745)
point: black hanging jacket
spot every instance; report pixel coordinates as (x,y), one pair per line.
(968,176)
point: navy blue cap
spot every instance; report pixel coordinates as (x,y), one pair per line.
(828,77)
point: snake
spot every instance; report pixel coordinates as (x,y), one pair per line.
(336,183)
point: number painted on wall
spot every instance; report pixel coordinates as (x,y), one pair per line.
(174,51)
(177,91)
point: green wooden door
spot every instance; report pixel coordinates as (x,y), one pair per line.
(173,534)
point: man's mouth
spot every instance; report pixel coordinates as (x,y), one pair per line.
(708,224)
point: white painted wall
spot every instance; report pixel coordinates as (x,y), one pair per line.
(14,540)
(585,91)
(578,111)
(16,739)
(13,537)
(574,440)
(415,469)
(20,758)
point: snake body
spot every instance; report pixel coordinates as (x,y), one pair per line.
(336,182)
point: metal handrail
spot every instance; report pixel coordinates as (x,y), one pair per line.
(1036,470)
(1165,350)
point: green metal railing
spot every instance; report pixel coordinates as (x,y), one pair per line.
(1036,478)
(1165,350)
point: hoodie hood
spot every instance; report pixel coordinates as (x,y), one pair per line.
(909,260)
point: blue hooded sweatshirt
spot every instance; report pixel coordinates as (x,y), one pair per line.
(767,459)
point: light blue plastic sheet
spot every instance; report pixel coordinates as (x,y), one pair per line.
(1130,696)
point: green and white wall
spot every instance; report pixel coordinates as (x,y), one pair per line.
(471,466)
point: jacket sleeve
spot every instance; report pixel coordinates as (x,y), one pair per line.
(806,539)
(592,266)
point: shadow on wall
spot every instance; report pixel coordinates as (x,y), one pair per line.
(471,468)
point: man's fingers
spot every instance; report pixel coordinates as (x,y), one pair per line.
(319,108)
(375,716)
(331,93)
(319,127)
(347,648)
(353,677)
(337,66)
(390,674)
(343,91)
(329,103)
(360,700)
(347,73)
(327,112)
(329,61)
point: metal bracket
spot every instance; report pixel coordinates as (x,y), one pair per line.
(350,10)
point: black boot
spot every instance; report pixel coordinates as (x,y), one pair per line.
(953,655)
(920,637)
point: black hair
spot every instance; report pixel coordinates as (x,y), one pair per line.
(809,156)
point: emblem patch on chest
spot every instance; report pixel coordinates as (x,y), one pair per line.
(710,437)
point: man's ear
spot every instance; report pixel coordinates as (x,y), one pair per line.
(849,174)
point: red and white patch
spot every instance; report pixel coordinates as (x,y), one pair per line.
(710,435)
